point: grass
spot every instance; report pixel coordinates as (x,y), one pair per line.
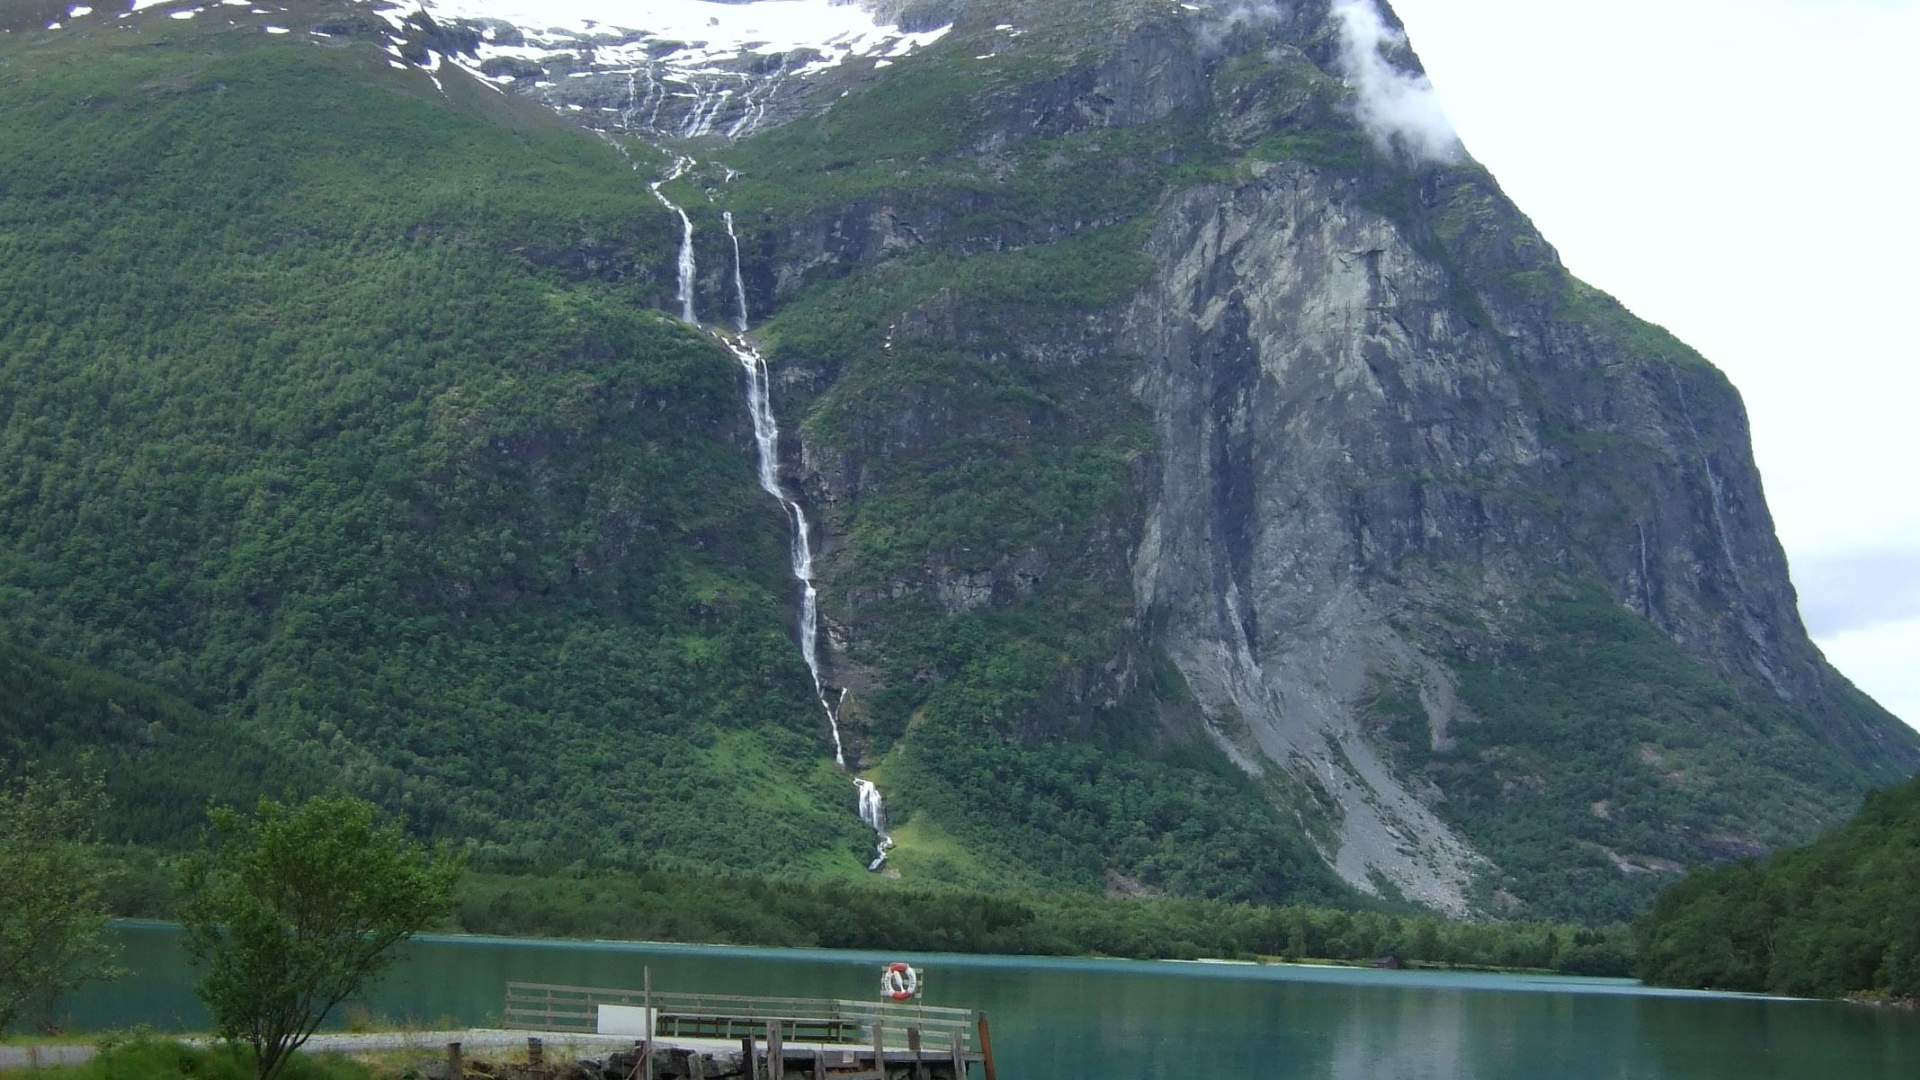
(60,1038)
(925,853)
(1342,151)
(149,1058)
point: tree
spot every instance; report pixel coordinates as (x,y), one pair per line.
(294,909)
(51,916)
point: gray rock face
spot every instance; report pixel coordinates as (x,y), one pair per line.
(1341,447)
(1299,352)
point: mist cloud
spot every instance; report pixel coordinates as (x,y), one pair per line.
(1399,108)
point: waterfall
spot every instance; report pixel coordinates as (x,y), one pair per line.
(739,283)
(708,102)
(1646,575)
(1716,493)
(873,811)
(656,93)
(766,438)
(687,267)
(755,109)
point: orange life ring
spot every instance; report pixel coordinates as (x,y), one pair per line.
(900,982)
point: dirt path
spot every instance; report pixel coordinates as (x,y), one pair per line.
(340,1042)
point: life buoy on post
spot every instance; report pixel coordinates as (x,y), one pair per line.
(900,982)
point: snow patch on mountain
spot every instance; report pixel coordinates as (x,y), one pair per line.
(688,32)
(664,69)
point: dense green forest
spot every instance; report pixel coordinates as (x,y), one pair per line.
(747,910)
(1838,916)
(160,758)
(685,905)
(312,418)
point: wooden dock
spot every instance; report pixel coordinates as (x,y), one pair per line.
(689,1036)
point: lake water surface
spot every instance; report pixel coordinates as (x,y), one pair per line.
(1121,1020)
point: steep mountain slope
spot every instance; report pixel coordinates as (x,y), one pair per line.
(1838,916)
(1215,478)
(323,413)
(1448,549)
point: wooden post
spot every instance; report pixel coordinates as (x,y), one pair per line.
(879,1048)
(959,1056)
(986,1049)
(696,1066)
(913,1044)
(776,1052)
(536,1053)
(455,1067)
(644,1067)
(819,1065)
(747,1065)
(646,999)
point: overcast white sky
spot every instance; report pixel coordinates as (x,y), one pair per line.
(1742,172)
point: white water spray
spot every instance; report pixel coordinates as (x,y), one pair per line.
(873,811)
(687,267)
(766,437)
(739,283)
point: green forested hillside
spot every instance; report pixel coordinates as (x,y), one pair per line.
(310,415)
(1839,916)
(160,758)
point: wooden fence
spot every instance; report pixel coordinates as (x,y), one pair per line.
(576,1009)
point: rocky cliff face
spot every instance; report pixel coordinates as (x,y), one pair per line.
(1349,456)
(1387,430)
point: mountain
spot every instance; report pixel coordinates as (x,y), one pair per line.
(1211,484)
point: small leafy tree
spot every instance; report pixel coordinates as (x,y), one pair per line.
(292,910)
(51,915)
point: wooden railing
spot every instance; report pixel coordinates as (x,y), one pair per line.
(576,1009)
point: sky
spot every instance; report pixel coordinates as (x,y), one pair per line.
(1744,173)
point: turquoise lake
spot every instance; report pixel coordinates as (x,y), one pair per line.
(1119,1020)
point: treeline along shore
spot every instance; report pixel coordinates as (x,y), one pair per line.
(686,905)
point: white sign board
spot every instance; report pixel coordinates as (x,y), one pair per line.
(626,1020)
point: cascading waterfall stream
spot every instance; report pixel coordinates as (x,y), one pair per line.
(687,266)
(873,811)
(739,283)
(766,438)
